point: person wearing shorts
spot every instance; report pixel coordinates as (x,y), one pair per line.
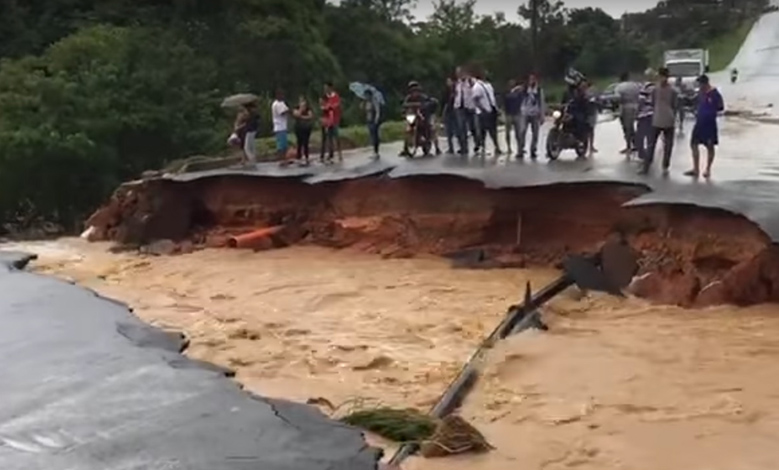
(705,133)
(280,115)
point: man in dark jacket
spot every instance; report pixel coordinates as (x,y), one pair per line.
(578,107)
(448,114)
(512,105)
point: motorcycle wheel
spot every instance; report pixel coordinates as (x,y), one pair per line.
(426,148)
(581,150)
(553,147)
(423,141)
(415,144)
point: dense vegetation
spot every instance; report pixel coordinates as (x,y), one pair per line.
(93,92)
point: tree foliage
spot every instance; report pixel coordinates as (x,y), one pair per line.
(93,92)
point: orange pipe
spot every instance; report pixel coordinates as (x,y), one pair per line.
(255,239)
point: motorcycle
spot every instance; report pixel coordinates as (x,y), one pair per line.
(689,102)
(562,137)
(420,133)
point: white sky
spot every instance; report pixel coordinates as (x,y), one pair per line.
(613,7)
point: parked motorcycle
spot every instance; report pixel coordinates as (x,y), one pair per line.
(420,133)
(562,136)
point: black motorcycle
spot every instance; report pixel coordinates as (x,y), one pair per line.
(564,135)
(421,132)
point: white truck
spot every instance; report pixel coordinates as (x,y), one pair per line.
(686,63)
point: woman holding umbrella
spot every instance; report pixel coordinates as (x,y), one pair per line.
(247,123)
(373,100)
(251,127)
(373,119)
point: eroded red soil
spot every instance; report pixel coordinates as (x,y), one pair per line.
(689,255)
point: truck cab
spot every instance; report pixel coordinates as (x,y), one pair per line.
(689,64)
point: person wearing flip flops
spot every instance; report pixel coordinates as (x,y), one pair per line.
(705,133)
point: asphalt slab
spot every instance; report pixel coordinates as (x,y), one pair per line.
(88,386)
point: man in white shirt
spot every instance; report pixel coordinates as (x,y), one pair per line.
(280,115)
(464,109)
(487,113)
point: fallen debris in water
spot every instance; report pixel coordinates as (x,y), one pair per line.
(454,435)
(585,272)
(436,437)
(260,239)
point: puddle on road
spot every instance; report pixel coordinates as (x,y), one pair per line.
(615,384)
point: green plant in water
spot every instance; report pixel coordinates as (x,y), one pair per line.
(398,425)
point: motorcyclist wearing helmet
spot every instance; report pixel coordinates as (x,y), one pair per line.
(573,80)
(577,105)
(421,104)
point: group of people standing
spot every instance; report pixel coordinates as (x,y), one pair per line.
(653,109)
(471,108)
(247,124)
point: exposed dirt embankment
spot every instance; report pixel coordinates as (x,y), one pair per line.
(689,255)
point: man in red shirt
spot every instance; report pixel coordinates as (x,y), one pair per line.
(331,120)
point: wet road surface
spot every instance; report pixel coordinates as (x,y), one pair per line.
(744,179)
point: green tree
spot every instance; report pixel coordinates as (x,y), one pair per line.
(98,107)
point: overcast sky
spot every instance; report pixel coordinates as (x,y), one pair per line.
(613,7)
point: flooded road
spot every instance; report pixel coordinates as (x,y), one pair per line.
(615,384)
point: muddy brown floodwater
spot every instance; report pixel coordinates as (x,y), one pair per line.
(615,384)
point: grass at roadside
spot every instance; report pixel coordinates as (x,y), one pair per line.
(724,49)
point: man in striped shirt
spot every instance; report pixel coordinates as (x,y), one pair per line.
(645,112)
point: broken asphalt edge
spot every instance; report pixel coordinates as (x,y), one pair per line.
(313,441)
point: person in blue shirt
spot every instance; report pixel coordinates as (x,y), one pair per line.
(710,104)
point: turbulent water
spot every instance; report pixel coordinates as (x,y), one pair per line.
(615,384)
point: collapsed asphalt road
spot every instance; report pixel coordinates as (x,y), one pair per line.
(87,386)
(743,182)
